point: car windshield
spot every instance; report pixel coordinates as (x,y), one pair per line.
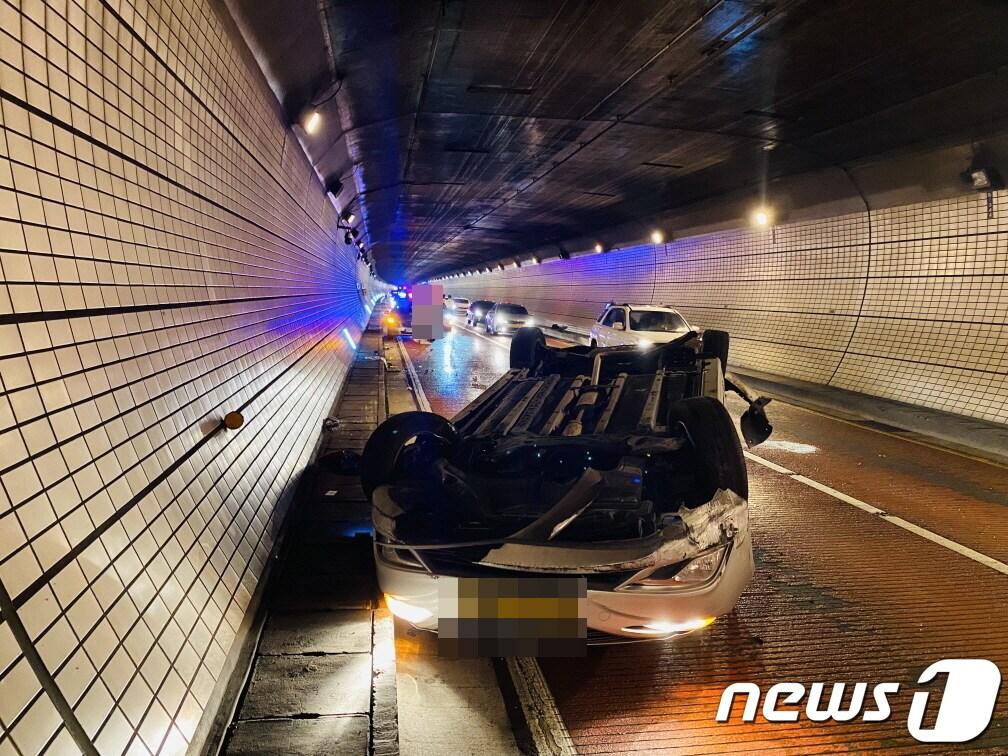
(656,320)
(510,309)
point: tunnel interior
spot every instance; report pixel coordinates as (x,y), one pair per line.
(203,204)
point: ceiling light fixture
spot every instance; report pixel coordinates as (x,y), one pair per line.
(657,237)
(348,215)
(347,239)
(312,122)
(983,178)
(762,217)
(599,247)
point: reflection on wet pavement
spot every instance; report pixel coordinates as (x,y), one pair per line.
(456,369)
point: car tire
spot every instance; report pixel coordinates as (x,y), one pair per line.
(379,462)
(720,463)
(526,346)
(715,344)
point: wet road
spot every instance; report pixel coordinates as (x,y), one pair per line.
(842,593)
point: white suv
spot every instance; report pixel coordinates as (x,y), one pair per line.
(637,324)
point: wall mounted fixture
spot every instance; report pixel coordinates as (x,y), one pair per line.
(234,420)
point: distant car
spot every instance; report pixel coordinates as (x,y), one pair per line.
(505,317)
(398,319)
(457,305)
(477,311)
(638,325)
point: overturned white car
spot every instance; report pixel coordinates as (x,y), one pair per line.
(620,466)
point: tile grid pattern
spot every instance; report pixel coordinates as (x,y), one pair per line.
(907,303)
(166,255)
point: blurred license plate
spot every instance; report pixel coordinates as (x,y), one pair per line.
(531,616)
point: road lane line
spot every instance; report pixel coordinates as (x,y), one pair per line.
(767,463)
(549,733)
(917,530)
(414,379)
(546,726)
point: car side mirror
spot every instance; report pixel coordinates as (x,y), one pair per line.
(617,326)
(756,427)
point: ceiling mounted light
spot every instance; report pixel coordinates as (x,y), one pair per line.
(983,178)
(354,233)
(348,215)
(599,247)
(657,237)
(312,122)
(347,239)
(762,217)
(534,260)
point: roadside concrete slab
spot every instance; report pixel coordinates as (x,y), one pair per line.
(323,736)
(447,705)
(339,632)
(295,686)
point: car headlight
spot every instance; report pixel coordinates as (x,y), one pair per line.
(405,610)
(690,572)
(529,321)
(500,320)
(477,314)
(645,344)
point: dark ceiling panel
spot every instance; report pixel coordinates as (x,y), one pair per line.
(468,131)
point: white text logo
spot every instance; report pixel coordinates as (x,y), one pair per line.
(965,711)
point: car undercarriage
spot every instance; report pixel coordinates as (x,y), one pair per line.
(605,463)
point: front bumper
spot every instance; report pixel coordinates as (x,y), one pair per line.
(612,615)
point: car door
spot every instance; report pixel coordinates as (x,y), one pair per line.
(616,327)
(607,335)
(595,334)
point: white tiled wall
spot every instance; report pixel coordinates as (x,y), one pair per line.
(167,255)
(908,303)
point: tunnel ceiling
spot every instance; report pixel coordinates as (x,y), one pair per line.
(468,131)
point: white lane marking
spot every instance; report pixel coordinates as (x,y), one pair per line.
(899,522)
(767,463)
(418,392)
(864,506)
(492,339)
(546,726)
